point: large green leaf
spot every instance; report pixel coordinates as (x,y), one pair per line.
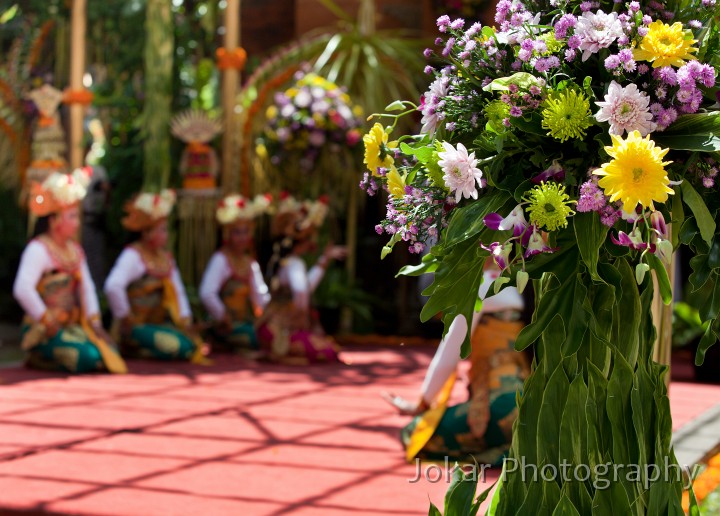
(703,218)
(550,417)
(460,494)
(556,301)
(701,142)
(454,290)
(695,124)
(619,412)
(710,337)
(643,404)
(467,222)
(565,508)
(573,428)
(590,234)
(612,501)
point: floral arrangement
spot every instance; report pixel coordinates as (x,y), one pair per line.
(155,205)
(560,144)
(59,190)
(312,115)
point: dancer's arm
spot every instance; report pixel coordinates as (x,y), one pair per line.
(34,262)
(259,292)
(216,274)
(129,267)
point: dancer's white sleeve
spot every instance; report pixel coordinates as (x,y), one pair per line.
(297,279)
(129,267)
(34,262)
(92,306)
(259,292)
(315,276)
(447,355)
(216,274)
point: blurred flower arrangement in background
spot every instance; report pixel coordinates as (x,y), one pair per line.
(313,115)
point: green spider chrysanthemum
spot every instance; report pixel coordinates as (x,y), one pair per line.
(549,206)
(566,115)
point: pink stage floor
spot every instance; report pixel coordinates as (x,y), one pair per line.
(232,438)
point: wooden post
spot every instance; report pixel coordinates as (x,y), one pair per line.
(77,70)
(662,318)
(229,94)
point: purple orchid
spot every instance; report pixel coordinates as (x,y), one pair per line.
(658,223)
(537,243)
(554,172)
(515,221)
(500,253)
(634,240)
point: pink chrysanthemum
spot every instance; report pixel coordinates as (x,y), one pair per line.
(597,31)
(626,109)
(461,172)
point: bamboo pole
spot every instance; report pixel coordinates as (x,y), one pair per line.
(77,70)
(229,94)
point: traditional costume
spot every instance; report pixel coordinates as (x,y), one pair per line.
(53,285)
(480,428)
(289,329)
(233,289)
(145,292)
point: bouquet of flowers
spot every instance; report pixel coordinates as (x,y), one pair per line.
(560,144)
(312,115)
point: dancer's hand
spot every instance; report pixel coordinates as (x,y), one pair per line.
(403,406)
(335,252)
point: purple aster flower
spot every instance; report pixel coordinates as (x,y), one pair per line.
(443,22)
(515,111)
(570,55)
(457,24)
(574,42)
(609,216)
(612,62)
(591,197)
(427,53)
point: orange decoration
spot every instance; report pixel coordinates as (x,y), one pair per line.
(231,59)
(84,97)
(199,147)
(705,483)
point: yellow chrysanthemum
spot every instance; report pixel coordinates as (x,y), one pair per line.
(377,149)
(636,174)
(567,115)
(549,206)
(395,183)
(665,45)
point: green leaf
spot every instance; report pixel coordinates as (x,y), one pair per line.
(481,498)
(556,301)
(573,428)
(662,277)
(467,222)
(522,79)
(695,123)
(702,142)
(455,286)
(714,254)
(590,234)
(565,508)
(612,501)
(711,307)
(709,338)
(678,215)
(703,218)
(550,417)
(460,494)
(427,265)
(434,511)
(701,271)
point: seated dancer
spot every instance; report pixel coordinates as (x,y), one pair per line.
(289,330)
(233,289)
(480,428)
(53,285)
(144,289)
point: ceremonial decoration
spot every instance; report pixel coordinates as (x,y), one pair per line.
(561,145)
(48,140)
(199,161)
